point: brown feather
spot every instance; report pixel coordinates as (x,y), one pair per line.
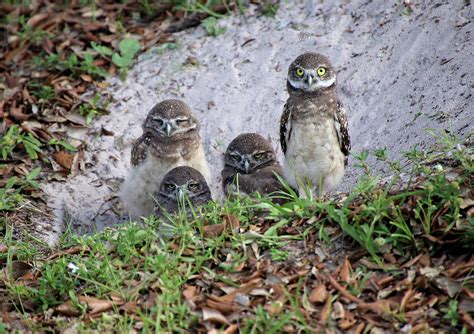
(343,130)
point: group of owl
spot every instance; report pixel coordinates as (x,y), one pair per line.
(169,163)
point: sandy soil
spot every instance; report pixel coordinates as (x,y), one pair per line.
(398,75)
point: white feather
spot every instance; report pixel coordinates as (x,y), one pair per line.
(313,152)
(144,180)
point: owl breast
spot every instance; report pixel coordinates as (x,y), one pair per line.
(144,180)
(313,151)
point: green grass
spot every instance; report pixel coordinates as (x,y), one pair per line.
(138,266)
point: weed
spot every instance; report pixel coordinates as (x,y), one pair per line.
(42,92)
(278,254)
(72,64)
(62,143)
(270,8)
(193,6)
(212,29)
(128,48)
(451,312)
(11,194)
(15,137)
(264,322)
(92,109)
(28,34)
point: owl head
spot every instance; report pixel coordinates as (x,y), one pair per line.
(172,120)
(310,72)
(249,152)
(184,181)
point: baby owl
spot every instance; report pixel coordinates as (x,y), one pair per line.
(170,139)
(250,164)
(178,186)
(313,129)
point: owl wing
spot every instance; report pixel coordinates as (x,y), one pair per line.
(285,127)
(342,130)
(140,150)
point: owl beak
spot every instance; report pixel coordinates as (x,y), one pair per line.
(246,166)
(180,194)
(310,80)
(168,129)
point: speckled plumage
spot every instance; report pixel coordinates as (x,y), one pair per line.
(180,185)
(250,165)
(313,128)
(170,139)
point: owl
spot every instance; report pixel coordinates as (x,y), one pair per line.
(180,187)
(314,133)
(170,139)
(250,165)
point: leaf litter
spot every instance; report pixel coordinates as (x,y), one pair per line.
(334,286)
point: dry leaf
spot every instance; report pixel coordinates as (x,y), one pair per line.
(190,292)
(64,159)
(214,316)
(129,307)
(345,272)
(319,294)
(68,309)
(212,231)
(19,269)
(222,306)
(338,311)
(96,305)
(347,322)
(326,311)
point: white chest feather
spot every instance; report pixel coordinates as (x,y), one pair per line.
(313,152)
(144,180)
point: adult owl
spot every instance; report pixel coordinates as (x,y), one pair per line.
(313,128)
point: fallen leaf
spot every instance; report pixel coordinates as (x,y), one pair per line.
(231,329)
(212,231)
(96,305)
(406,299)
(222,306)
(448,285)
(129,307)
(338,311)
(64,159)
(68,309)
(347,322)
(19,269)
(214,316)
(319,294)
(326,311)
(430,272)
(190,292)
(345,272)
(244,289)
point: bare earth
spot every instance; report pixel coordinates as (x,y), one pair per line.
(397,74)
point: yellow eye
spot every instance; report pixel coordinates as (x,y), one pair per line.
(321,71)
(258,156)
(299,72)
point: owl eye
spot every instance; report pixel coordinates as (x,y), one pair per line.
(258,156)
(321,71)
(170,186)
(193,186)
(235,157)
(159,122)
(182,122)
(299,72)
